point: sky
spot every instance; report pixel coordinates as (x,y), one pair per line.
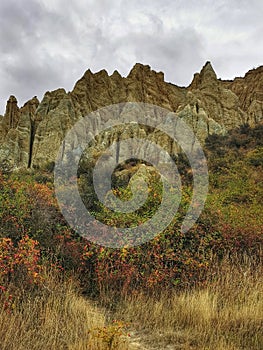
(47,44)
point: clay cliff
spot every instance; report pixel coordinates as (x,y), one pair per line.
(31,135)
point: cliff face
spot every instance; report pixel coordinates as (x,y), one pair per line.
(30,136)
(249,91)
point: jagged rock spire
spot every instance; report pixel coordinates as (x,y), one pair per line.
(206,78)
(207,72)
(12,113)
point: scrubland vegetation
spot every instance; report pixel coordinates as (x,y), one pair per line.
(199,290)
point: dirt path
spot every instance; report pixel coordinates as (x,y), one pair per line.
(144,341)
(136,342)
(140,341)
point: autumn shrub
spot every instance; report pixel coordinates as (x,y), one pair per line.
(20,269)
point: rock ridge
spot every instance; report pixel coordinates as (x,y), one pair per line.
(30,136)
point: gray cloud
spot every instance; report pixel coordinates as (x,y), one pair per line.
(46,44)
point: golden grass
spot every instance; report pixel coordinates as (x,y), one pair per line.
(57,318)
(225,315)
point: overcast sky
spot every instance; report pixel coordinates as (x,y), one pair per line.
(46,44)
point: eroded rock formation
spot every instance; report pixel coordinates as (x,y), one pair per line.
(31,135)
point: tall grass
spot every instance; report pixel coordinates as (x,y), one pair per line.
(56,318)
(227,314)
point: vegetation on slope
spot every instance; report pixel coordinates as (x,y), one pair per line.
(199,290)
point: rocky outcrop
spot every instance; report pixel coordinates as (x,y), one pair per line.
(56,114)
(17,132)
(219,104)
(12,113)
(249,91)
(30,136)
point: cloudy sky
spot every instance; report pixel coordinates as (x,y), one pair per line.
(46,44)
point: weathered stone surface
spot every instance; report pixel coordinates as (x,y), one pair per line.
(18,127)
(12,113)
(220,104)
(55,115)
(30,136)
(249,91)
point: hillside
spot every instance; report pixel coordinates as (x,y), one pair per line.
(196,289)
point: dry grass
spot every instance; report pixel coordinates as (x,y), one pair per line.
(226,315)
(57,318)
